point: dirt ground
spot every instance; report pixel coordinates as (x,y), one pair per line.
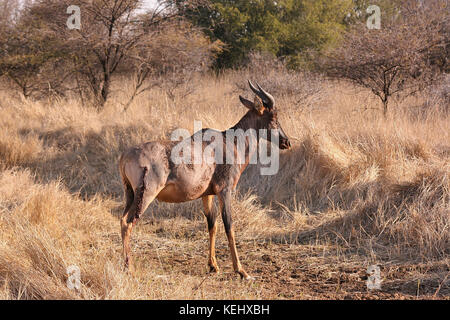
(281,271)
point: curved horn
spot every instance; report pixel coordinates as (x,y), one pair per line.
(256,91)
(271,102)
(267,98)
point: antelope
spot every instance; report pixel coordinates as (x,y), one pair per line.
(148,173)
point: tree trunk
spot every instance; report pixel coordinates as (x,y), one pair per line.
(105,90)
(385,107)
(25,92)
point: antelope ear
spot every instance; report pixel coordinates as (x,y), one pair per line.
(247,103)
(257,105)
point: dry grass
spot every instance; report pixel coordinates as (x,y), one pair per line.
(356,190)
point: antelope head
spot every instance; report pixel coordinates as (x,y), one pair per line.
(265,113)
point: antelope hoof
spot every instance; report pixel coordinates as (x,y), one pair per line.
(245,276)
(214,269)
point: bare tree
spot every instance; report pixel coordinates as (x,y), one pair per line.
(169,56)
(112,34)
(29,56)
(407,54)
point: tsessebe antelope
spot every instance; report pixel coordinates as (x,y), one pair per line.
(149,173)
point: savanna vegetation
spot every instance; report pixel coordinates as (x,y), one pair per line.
(363,185)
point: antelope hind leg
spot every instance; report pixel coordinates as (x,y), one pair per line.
(212,228)
(127,223)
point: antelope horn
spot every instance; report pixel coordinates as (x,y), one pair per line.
(267,98)
(256,91)
(271,102)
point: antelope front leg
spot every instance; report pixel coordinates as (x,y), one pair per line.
(225,206)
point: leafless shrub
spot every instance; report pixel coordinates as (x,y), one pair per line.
(169,57)
(406,55)
(30,59)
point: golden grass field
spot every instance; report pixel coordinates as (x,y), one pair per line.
(356,190)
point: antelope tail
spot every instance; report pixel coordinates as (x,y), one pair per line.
(139,197)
